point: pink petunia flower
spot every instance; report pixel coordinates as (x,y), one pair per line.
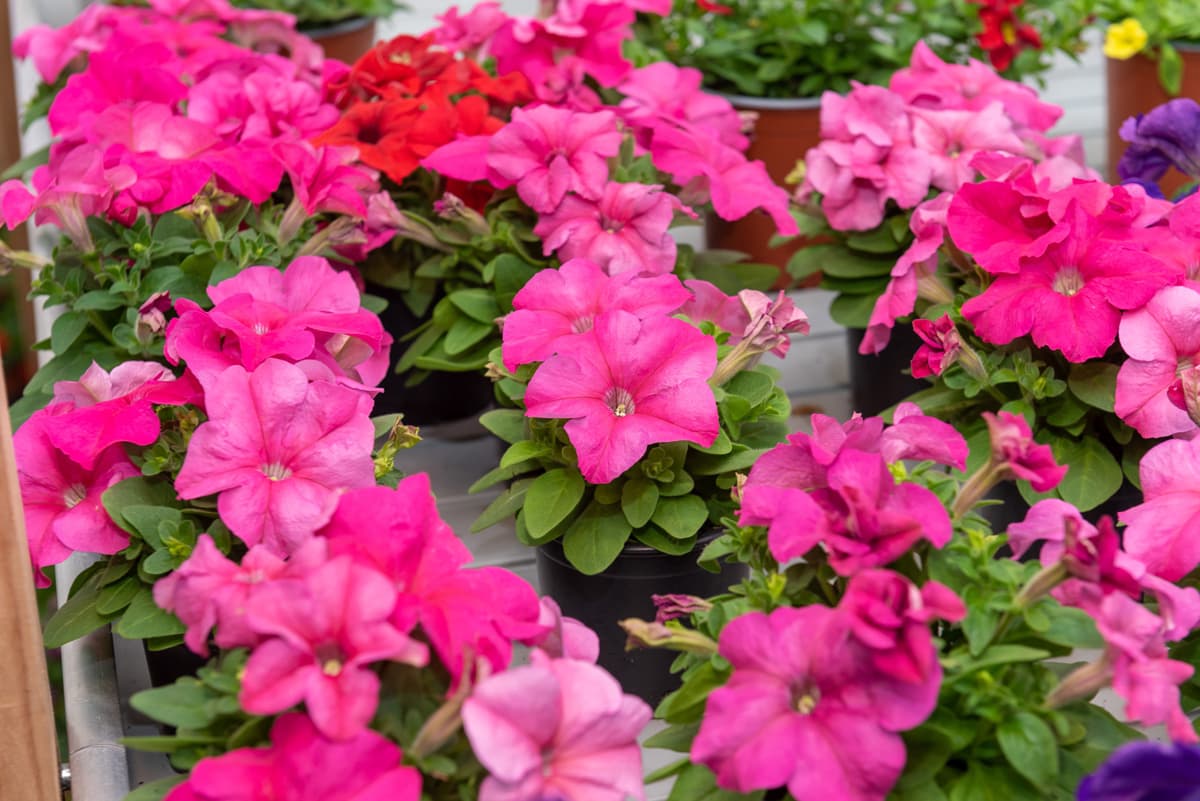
(548,152)
(302,764)
(771,323)
(321,634)
(62,500)
(558,728)
(1164,530)
(565,302)
(953,138)
(278,451)
(940,346)
(626,384)
(663,94)
(468,32)
(796,711)
(1162,339)
(625,231)
(1014,448)
(563,637)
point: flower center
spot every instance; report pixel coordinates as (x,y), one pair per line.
(74,494)
(805,701)
(275,471)
(582,325)
(1068,281)
(330,657)
(261,328)
(620,401)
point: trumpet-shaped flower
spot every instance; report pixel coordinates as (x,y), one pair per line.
(566,302)
(1162,138)
(1145,771)
(626,230)
(1164,531)
(302,764)
(796,712)
(940,345)
(558,728)
(63,510)
(321,633)
(953,137)
(626,384)
(278,451)
(1162,340)
(1013,447)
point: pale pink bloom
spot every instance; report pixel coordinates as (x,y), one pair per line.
(301,764)
(327,179)
(663,94)
(558,728)
(210,590)
(565,302)
(940,346)
(563,637)
(626,230)
(466,614)
(116,407)
(928,224)
(54,49)
(278,451)
(1164,530)
(797,711)
(627,384)
(1013,447)
(548,152)
(321,634)
(929,82)
(953,137)
(587,37)
(771,322)
(709,304)
(1161,339)
(62,500)
(1046,522)
(1180,243)
(915,435)
(469,32)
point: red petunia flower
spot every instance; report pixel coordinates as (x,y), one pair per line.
(1003,35)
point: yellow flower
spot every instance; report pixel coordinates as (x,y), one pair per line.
(1124,39)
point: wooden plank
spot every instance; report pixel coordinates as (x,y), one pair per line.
(28,754)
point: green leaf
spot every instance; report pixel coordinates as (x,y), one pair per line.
(674,738)
(653,537)
(77,617)
(507,424)
(1030,747)
(1093,473)
(115,597)
(503,507)
(1003,654)
(595,538)
(98,300)
(464,333)
(551,498)
(522,451)
(184,704)
(1094,383)
(511,273)
(991,783)
(498,474)
(147,520)
(26,163)
(697,783)
(739,458)
(1170,68)
(1071,627)
(639,497)
(66,329)
(681,517)
(137,491)
(143,619)
(852,311)
(155,790)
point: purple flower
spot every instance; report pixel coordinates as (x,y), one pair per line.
(1146,771)
(1166,136)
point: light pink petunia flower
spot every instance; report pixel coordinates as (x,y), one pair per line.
(626,384)
(1162,340)
(278,451)
(558,728)
(1164,530)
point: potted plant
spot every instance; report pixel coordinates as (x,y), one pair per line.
(774,60)
(889,646)
(638,400)
(1152,56)
(345,29)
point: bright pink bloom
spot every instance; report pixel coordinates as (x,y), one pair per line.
(466,614)
(54,49)
(1071,298)
(709,304)
(626,384)
(953,138)
(1162,340)
(915,435)
(118,78)
(322,632)
(326,179)
(548,152)
(468,32)
(796,711)
(269,104)
(63,511)
(565,302)
(626,230)
(278,451)
(210,590)
(303,765)
(563,637)
(1013,447)
(116,407)
(558,728)
(662,94)
(1164,530)
(940,346)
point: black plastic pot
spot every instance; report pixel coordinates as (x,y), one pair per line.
(882,380)
(623,591)
(170,664)
(442,397)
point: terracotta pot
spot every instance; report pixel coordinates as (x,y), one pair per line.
(784,132)
(1134,88)
(346,41)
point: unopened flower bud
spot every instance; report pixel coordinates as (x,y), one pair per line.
(1082,683)
(452,209)
(643,634)
(151,319)
(675,606)
(1185,392)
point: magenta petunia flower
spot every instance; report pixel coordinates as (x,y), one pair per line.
(301,764)
(62,500)
(1013,447)
(626,384)
(940,346)
(558,728)
(548,152)
(797,712)
(663,94)
(1071,297)
(561,636)
(321,634)
(278,451)
(1164,530)
(565,302)
(624,231)
(1162,340)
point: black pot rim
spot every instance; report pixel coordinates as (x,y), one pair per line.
(335,28)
